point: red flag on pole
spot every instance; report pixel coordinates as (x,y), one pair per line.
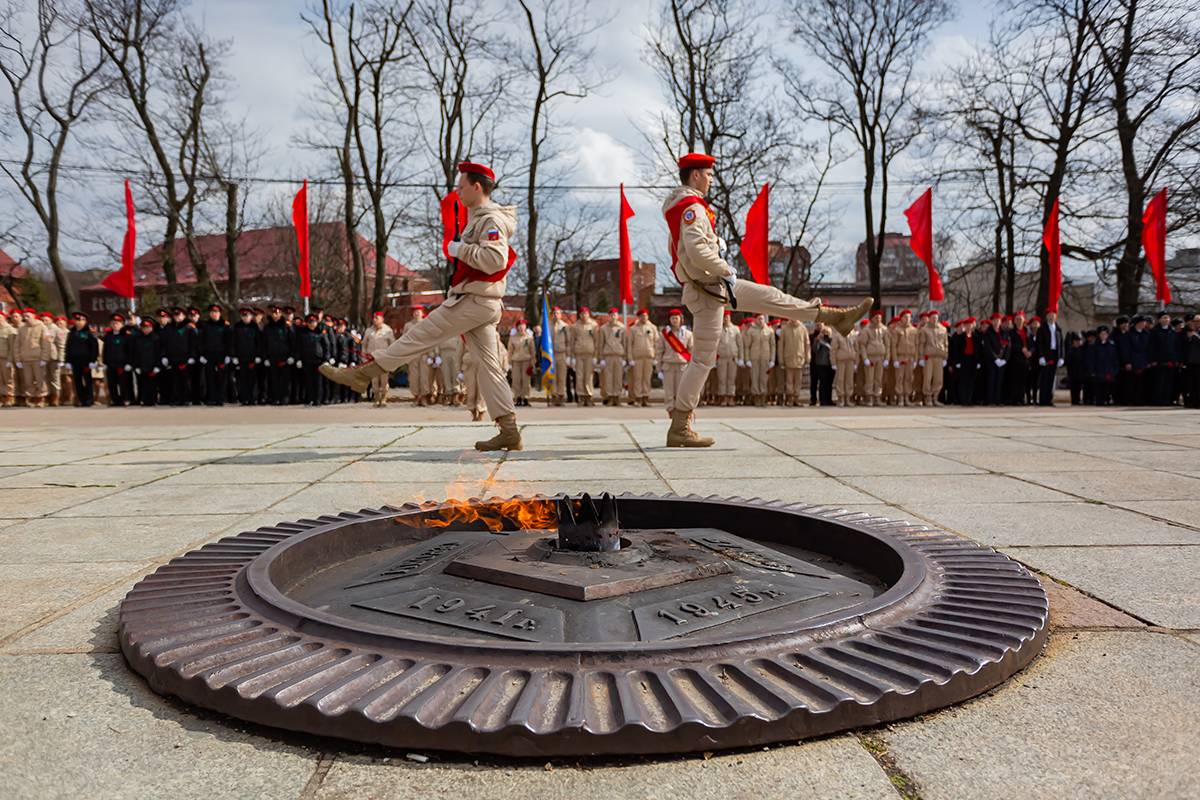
(920,227)
(754,243)
(121,281)
(1154,242)
(1050,239)
(300,220)
(626,251)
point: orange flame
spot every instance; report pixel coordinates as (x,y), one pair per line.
(497,515)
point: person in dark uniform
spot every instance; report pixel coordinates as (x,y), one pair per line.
(196,374)
(247,355)
(1191,362)
(964,355)
(179,356)
(163,379)
(82,351)
(329,341)
(147,362)
(311,352)
(996,352)
(1049,353)
(821,368)
(261,380)
(1121,338)
(343,347)
(1103,366)
(1165,354)
(278,344)
(216,355)
(1076,360)
(1017,371)
(1032,370)
(1139,360)
(118,362)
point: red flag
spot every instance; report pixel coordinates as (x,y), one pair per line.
(626,252)
(920,227)
(300,220)
(1050,239)
(754,243)
(121,281)
(454,219)
(1154,242)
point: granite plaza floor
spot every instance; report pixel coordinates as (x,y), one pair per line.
(1105,505)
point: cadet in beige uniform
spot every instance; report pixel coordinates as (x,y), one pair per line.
(33,350)
(708,282)
(8,345)
(906,342)
(560,332)
(450,370)
(730,356)
(378,337)
(521,353)
(844,358)
(873,344)
(583,354)
(482,259)
(63,390)
(671,362)
(613,355)
(793,357)
(643,347)
(420,370)
(760,351)
(935,348)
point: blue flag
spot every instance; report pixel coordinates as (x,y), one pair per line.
(546,348)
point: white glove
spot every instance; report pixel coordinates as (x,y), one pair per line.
(771,365)
(138,371)
(741,363)
(68,368)
(629,363)
(571,361)
(452,248)
(834,367)
(128,367)
(602,362)
(999,362)
(428,360)
(228,359)
(42,363)
(979,366)
(291,360)
(921,362)
(437,361)
(19,365)
(329,361)
(722,246)
(164,361)
(154,371)
(90,366)
(958,366)
(203,360)
(1003,361)
(460,377)
(867,361)
(191,361)
(660,375)
(235,362)
(257,360)
(298,363)
(886,362)
(1042,361)
(340,364)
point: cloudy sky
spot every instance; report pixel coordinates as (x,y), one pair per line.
(270,64)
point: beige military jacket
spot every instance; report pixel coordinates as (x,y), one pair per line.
(729,346)
(33,343)
(521,347)
(643,340)
(583,337)
(698,253)
(843,349)
(666,353)
(375,339)
(906,343)
(560,332)
(613,340)
(760,342)
(874,342)
(60,342)
(484,246)
(8,340)
(794,345)
(935,341)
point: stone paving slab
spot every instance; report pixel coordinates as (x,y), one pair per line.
(1111,487)
(157,498)
(32,591)
(21,503)
(1099,715)
(85,475)
(1184,512)
(956,488)
(99,539)
(888,464)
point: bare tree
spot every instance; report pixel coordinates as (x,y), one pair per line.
(870,50)
(54,78)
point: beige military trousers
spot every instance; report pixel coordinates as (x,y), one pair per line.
(8,378)
(379,389)
(933,375)
(520,379)
(758,375)
(584,367)
(560,375)
(904,378)
(474,316)
(843,380)
(612,376)
(726,376)
(33,379)
(639,380)
(474,401)
(873,382)
(672,377)
(792,385)
(708,314)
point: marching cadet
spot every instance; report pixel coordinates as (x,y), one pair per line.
(247,356)
(874,343)
(32,353)
(560,335)
(118,362)
(214,339)
(420,369)
(147,362)
(8,343)
(793,357)
(378,337)
(613,355)
(709,284)
(278,344)
(643,342)
(674,342)
(311,348)
(935,348)
(730,356)
(583,354)
(482,258)
(521,353)
(81,352)
(843,356)
(905,349)
(760,352)
(450,351)
(918,380)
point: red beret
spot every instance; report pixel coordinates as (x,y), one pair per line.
(970,320)
(696,161)
(116,317)
(419,308)
(147,323)
(728,313)
(377,314)
(1019,313)
(614,310)
(905,311)
(478,169)
(1035,318)
(675,311)
(214,307)
(997,315)
(877,313)
(643,311)
(557,308)
(864,322)
(522,322)
(56,319)
(933,312)
(585,308)
(46,315)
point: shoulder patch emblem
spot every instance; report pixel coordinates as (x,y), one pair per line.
(493,234)
(689,216)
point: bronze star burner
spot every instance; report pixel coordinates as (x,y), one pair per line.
(575,626)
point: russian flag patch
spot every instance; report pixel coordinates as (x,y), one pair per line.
(493,234)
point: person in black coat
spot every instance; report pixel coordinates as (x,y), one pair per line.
(1103,366)
(1122,388)
(821,367)
(1048,350)
(247,356)
(996,352)
(118,362)
(1166,353)
(179,356)
(311,352)
(216,355)
(1016,372)
(1191,362)
(1138,363)
(147,362)
(1076,361)
(83,350)
(278,345)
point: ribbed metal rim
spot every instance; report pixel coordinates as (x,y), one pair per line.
(196,629)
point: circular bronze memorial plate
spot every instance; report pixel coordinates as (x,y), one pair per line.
(467,626)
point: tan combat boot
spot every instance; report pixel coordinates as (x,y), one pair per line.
(681,434)
(509,437)
(844,319)
(358,377)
